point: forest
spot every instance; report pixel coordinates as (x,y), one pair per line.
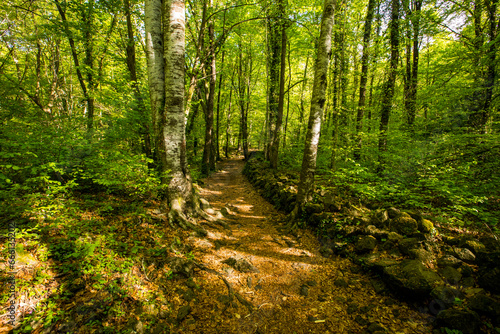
(289,166)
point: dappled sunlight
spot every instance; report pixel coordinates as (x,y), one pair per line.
(285,279)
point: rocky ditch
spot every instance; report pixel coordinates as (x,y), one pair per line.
(453,276)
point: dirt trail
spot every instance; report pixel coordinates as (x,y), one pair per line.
(293,288)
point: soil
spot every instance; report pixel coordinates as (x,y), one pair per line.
(292,288)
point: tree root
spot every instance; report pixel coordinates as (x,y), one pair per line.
(230,289)
(176,216)
(292,223)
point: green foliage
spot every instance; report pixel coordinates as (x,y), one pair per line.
(446,330)
(121,172)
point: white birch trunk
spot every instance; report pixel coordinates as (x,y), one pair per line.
(156,74)
(181,196)
(316,114)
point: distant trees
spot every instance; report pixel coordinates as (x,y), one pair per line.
(408,84)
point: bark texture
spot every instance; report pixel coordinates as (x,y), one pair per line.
(132,68)
(275,141)
(316,114)
(182,199)
(156,76)
(391,81)
(364,76)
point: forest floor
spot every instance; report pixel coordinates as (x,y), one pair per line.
(105,263)
(292,287)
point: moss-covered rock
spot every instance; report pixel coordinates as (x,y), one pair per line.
(413,278)
(446,295)
(449,260)
(407,244)
(466,321)
(464,254)
(376,232)
(489,278)
(393,212)
(422,255)
(311,208)
(485,305)
(331,203)
(380,218)
(450,274)
(393,236)
(366,243)
(473,245)
(404,224)
(426,226)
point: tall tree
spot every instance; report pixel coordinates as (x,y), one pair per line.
(140,108)
(411,80)
(274,44)
(87,87)
(182,199)
(364,76)
(156,77)
(388,93)
(208,161)
(245,68)
(318,100)
(485,63)
(275,139)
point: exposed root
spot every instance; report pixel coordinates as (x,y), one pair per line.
(176,216)
(205,215)
(230,289)
(292,221)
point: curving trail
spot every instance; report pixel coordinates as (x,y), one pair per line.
(292,287)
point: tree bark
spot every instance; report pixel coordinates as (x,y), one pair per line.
(281,96)
(228,120)
(391,81)
(217,137)
(274,47)
(76,61)
(89,62)
(131,65)
(318,99)
(364,77)
(156,78)
(181,196)
(244,77)
(491,6)
(302,104)
(207,163)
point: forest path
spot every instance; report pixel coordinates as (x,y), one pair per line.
(292,287)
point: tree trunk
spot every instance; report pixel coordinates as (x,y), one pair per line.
(288,94)
(208,163)
(375,60)
(274,47)
(364,76)
(244,72)
(217,138)
(76,61)
(414,76)
(491,6)
(318,99)
(302,105)
(391,81)
(89,62)
(156,78)
(228,120)
(131,65)
(281,97)
(181,196)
